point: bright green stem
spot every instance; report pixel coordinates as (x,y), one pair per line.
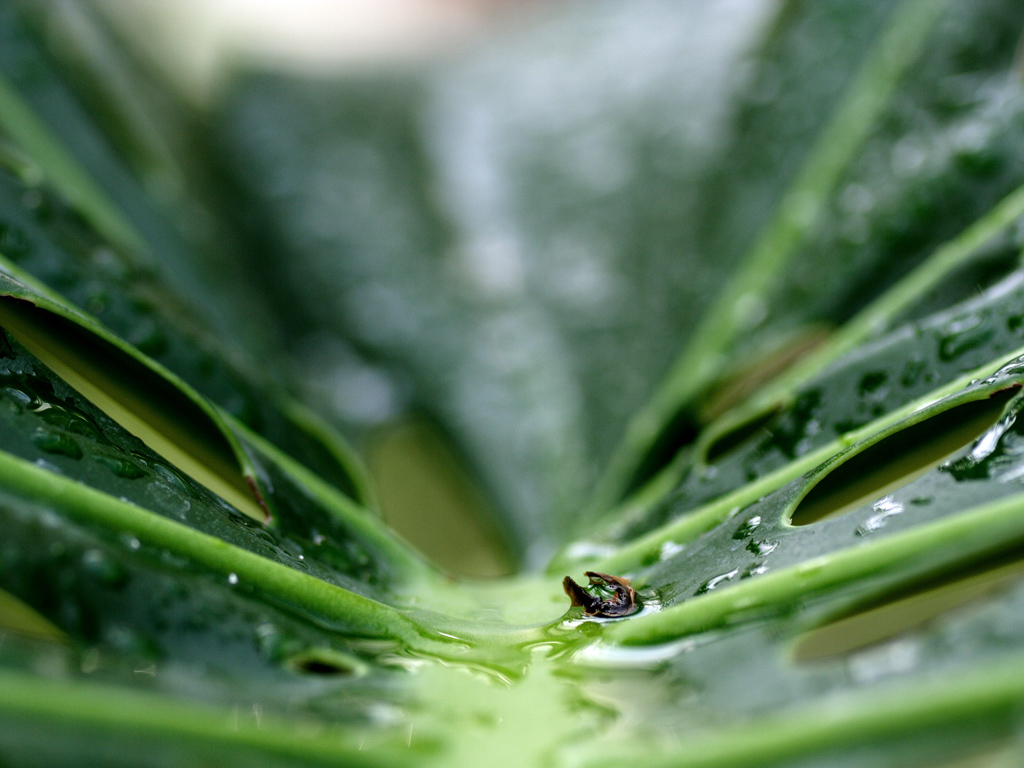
(880,314)
(402,557)
(430,631)
(870,321)
(846,721)
(20,122)
(146,716)
(356,614)
(970,533)
(646,549)
(797,214)
(307,421)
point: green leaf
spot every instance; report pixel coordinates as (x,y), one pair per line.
(819,506)
(739,305)
(503,253)
(79,244)
(876,227)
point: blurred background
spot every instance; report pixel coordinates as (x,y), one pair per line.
(197,44)
(458,251)
(475,235)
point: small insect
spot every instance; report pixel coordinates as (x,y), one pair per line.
(620,601)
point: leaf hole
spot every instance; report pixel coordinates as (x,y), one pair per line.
(142,401)
(905,612)
(325,662)
(899,458)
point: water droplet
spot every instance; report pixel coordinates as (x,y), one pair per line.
(987,443)
(670,549)
(170,475)
(997,440)
(67,420)
(1011,371)
(232,578)
(871,383)
(168,500)
(121,467)
(912,371)
(754,570)
(19,398)
(55,442)
(884,509)
(761,548)
(963,335)
(104,569)
(748,527)
(712,584)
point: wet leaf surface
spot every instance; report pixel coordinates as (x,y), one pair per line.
(51,425)
(875,380)
(817,569)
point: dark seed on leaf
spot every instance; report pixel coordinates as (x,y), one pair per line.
(615,596)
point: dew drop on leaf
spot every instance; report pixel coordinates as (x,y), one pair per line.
(57,443)
(748,527)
